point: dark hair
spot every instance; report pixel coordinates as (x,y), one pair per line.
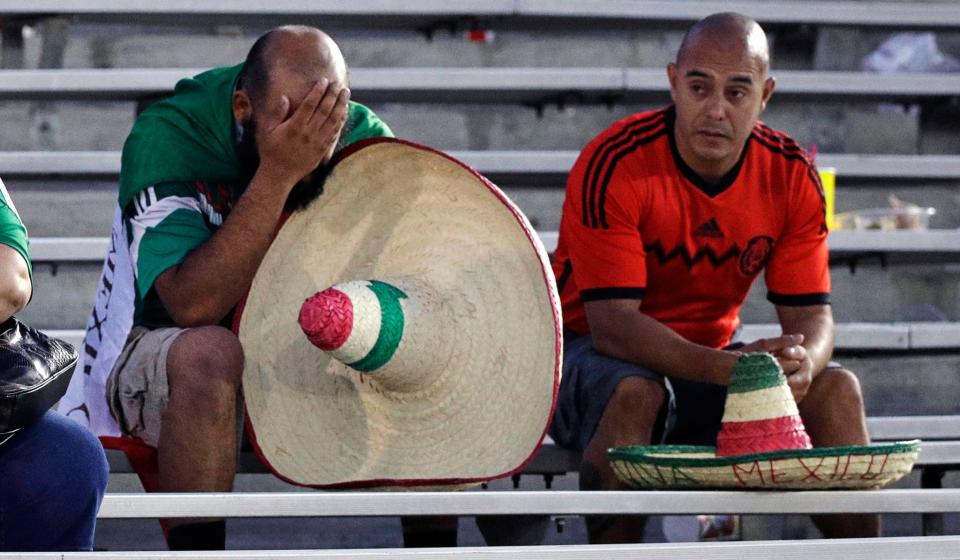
(254,75)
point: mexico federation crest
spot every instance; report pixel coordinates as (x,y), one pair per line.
(755,256)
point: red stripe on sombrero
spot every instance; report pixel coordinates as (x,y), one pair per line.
(327,319)
(759,436)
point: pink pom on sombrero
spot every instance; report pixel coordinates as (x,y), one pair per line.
(327,319)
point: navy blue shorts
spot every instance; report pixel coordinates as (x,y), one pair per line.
(589,380)
(691,416)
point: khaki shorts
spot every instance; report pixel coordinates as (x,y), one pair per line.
(137,389)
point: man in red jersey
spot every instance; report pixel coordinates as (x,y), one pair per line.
(669,217)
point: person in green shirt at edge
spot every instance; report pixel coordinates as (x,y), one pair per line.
(53,473)
(205,177)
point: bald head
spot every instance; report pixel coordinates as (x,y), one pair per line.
(720,84)
(291,53)
(727,32)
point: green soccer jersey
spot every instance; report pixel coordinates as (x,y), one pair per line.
(181,175)
(12,232)
(167,221)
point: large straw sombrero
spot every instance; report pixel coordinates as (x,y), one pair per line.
(762,445)
(402,330)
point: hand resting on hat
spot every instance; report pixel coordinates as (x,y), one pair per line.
(793,359)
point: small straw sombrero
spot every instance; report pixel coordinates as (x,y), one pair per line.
(402,330)
(762,444)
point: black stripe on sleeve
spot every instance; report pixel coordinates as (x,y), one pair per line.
(598,161)
(799,300)
(596,294)
(779,139)
(811,172)
(614,159)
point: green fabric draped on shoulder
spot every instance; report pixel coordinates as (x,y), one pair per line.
(189,136)
(185,137)
(361,123)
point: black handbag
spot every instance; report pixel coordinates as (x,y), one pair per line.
(35,370)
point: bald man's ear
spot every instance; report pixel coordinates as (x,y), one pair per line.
(768,86)
(672,78)
(242,108)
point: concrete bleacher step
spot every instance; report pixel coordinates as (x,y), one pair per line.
(536,14)
(74,265)
(878,336)
(935,245)
(64,294)
(908,427)
(519,165)
(896,245)
(66,272)
(487,85)
(532,164)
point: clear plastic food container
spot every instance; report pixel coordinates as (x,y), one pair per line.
(913,217)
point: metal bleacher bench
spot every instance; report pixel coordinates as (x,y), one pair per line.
(940,450)
(929,502)
(566,503)
(896,548)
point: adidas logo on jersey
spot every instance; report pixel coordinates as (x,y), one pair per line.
(708,229)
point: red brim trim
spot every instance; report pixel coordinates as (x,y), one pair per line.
(558,346)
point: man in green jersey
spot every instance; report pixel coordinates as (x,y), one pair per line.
(205,177)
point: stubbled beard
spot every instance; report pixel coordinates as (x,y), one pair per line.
(303,193)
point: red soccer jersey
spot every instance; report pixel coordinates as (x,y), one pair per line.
(639,223)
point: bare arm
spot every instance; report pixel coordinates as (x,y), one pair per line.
(815,324)
(622,331)
(289,150)
(15,285)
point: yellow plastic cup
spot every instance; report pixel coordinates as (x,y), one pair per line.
(828,178)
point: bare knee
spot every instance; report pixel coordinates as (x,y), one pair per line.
(636,402)
(838,388)
(639,392)
(833,410)
(628,419)
(206,361)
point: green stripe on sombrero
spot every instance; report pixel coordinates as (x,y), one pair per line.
(673,455)
(391,327)
(755,371)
